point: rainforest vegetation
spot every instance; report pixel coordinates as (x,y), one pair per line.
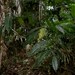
(37,37)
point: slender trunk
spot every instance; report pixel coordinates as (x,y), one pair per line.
(40,11)
(2,16)
(0,51)
(0,35)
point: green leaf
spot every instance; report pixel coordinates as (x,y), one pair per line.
(8,22)
(69,27)
(32,36)
(38,47)
(73,10)
(60,29)
(41,57)
(54,63)
(58,1)
(42,33)
(20,20)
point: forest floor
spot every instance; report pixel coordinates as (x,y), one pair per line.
(20,64)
